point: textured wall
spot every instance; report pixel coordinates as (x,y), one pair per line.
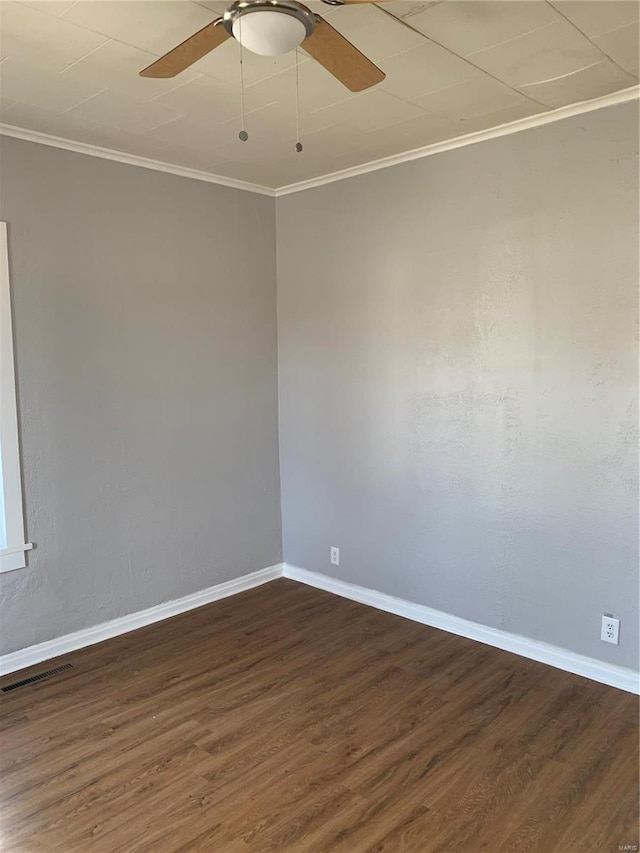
(145,336)
(458,381)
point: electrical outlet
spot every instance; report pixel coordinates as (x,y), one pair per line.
(335,556)
(610,632)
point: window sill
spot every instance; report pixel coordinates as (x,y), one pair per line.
(14,558)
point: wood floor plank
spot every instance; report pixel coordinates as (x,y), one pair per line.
(287,719)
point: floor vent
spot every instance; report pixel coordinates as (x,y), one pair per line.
(37,677)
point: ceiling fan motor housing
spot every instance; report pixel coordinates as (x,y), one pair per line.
(269,27)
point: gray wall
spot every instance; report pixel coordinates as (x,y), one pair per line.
(458,381)
(145,334)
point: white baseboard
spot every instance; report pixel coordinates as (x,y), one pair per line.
(96,634)
(614,676)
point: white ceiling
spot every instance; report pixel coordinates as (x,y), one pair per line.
(70,69)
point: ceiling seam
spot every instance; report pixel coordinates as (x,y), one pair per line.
(568,74)
(465,59)
(597,46)
(84,100)
(64,11)
(175,88)
(85,55)
(202,6)
(61,17)
(161,124)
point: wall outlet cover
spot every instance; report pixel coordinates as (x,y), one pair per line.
(335,556)
(610,632)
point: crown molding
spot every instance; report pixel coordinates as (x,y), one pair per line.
(130,159)
(615,98)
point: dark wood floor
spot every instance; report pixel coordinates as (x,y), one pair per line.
(288,719)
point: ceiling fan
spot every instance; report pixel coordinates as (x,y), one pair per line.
(272,27)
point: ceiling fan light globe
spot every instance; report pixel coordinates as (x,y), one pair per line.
(269,32)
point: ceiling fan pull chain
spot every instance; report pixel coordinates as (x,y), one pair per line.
(298,143)
(243,135)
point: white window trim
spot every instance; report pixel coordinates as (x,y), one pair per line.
(13,556)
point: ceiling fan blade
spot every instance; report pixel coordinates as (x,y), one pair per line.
(190,51)
(341,58)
